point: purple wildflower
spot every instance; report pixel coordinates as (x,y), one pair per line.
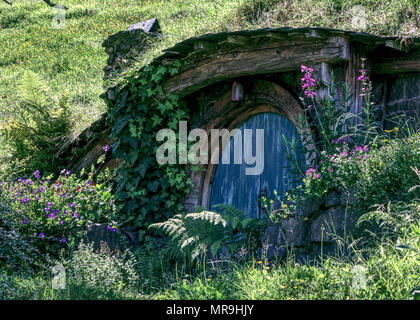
(36,174)
(42,235)
(105,148)
(310,170)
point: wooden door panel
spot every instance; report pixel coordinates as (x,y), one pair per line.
(231,185)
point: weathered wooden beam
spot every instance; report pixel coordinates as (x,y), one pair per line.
(205,45)
(238,39)
(393,44)
(314,34)
(229,65)
(397,66)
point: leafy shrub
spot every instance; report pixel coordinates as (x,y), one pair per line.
(16,253)
(374,176)
(396,221)
(351,152)
(195,233)
(88,276)
(54,215)
(105,272)
(37,126)
(137,114)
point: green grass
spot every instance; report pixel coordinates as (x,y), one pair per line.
(72,59)
(390,274)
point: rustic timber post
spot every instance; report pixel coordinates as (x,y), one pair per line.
(355,59)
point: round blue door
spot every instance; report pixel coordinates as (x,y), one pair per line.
(235,184)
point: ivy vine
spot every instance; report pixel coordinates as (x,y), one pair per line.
(146,191)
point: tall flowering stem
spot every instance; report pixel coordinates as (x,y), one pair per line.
(308,83)
(366,93)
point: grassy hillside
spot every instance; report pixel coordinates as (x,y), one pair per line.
(71,59)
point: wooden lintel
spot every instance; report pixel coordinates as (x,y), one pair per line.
(253,62)
(396,66)
(396,45)
(274,35)
(205,45)
(237,39)
(314,34)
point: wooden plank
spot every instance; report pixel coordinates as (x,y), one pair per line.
(205,45)
(356,54)
(314,34)
(397,45)
(238,40)
(408,64)
(258,61)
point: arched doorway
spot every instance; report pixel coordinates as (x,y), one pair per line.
(231,182)
(260,96)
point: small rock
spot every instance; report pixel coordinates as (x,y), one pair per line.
(334,221)
(271,252)
(271,233)
(151,25)
(308,207)
(111,95)
(348,198)
(333,199)
(120,240)
(292,232)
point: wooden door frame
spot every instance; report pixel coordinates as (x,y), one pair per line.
(260,96)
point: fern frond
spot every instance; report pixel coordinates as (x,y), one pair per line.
(210,216)
(34,91)
(188,241)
